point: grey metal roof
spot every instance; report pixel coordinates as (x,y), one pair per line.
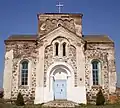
(22,37)
(97,39)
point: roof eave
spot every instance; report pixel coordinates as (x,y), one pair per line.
(7,41)
(100,42)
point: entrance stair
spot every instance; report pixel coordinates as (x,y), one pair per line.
(60,104)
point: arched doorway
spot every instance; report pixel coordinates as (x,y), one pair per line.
(59,81)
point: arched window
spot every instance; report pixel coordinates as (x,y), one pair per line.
(24,73)
(64,49)
(56,49)
(95,72)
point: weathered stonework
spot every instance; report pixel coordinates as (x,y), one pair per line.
(72,62)
(23,50)
(49,22)
(50,59)
(99,52)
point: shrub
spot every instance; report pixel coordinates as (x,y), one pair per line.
(2,101)
(1,94)
(100,99)
(20,100)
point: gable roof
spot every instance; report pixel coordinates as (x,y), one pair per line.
(60,26)
(62,31)
(97,39)
(87,38)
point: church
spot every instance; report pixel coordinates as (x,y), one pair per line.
(59,62)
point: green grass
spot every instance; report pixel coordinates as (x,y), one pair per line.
(3,104)
(105,106)
(39,106)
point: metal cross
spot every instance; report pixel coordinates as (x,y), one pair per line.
(59,7)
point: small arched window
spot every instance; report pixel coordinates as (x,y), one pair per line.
(24,73)
(95,72)
(64,49)
(56,48)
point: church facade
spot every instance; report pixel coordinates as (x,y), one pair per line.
(59,62)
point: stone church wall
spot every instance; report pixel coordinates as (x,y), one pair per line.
(28,50)
(70,59)
(100,52)
(48,60)
(23,50)
(47,23)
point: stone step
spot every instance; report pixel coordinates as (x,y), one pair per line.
(60,104)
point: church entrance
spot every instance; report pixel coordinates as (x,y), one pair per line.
(60,91)
(60,81)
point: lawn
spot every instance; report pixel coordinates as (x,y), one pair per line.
(39,106)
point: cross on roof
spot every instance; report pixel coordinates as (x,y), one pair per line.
(59,7)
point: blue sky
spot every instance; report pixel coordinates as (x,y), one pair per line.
(20,17)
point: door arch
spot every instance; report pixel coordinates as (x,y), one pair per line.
(62,74)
